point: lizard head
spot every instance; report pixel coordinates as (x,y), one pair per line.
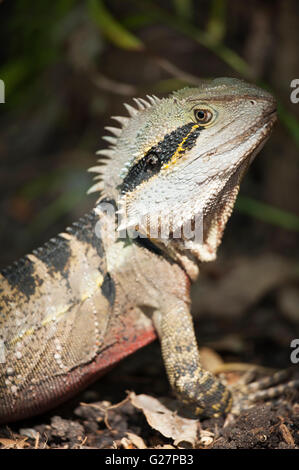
(177,162)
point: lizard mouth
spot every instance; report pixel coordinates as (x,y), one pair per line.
(273,112)
(270,119)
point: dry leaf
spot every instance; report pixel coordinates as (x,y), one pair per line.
(206,438)
(136,440)
(164,420)
(14,443)
(286,434)
(126,443)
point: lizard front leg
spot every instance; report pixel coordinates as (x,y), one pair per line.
(197,387)
(191,383)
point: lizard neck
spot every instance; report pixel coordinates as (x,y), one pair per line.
(178,254)
(171,248)
(184,257)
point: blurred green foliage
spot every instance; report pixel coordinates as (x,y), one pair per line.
(33,45)
(267,213)
(111,28)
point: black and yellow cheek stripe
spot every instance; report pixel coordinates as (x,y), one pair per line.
(167,152)
(186,144)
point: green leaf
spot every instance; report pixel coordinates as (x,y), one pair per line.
(13,73)
(268,213)
(111,28)
(183,8)
(217,22)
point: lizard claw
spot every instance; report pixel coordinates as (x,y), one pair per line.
(246,391)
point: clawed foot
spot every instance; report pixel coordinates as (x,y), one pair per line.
(248,390)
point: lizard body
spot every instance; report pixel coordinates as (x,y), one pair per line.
(89,297)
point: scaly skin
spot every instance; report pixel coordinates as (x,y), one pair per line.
(73,308)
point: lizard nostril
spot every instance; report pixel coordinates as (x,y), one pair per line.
(253,102)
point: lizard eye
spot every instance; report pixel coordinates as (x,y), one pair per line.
(203,116)
(152,160)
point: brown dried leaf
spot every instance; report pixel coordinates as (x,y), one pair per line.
(137,441)
(206,438)
(126,443)
(14,443)
(165,420)
(286,434)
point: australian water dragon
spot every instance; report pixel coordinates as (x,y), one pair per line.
(93,295)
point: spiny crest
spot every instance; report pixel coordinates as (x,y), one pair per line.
(109,153)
